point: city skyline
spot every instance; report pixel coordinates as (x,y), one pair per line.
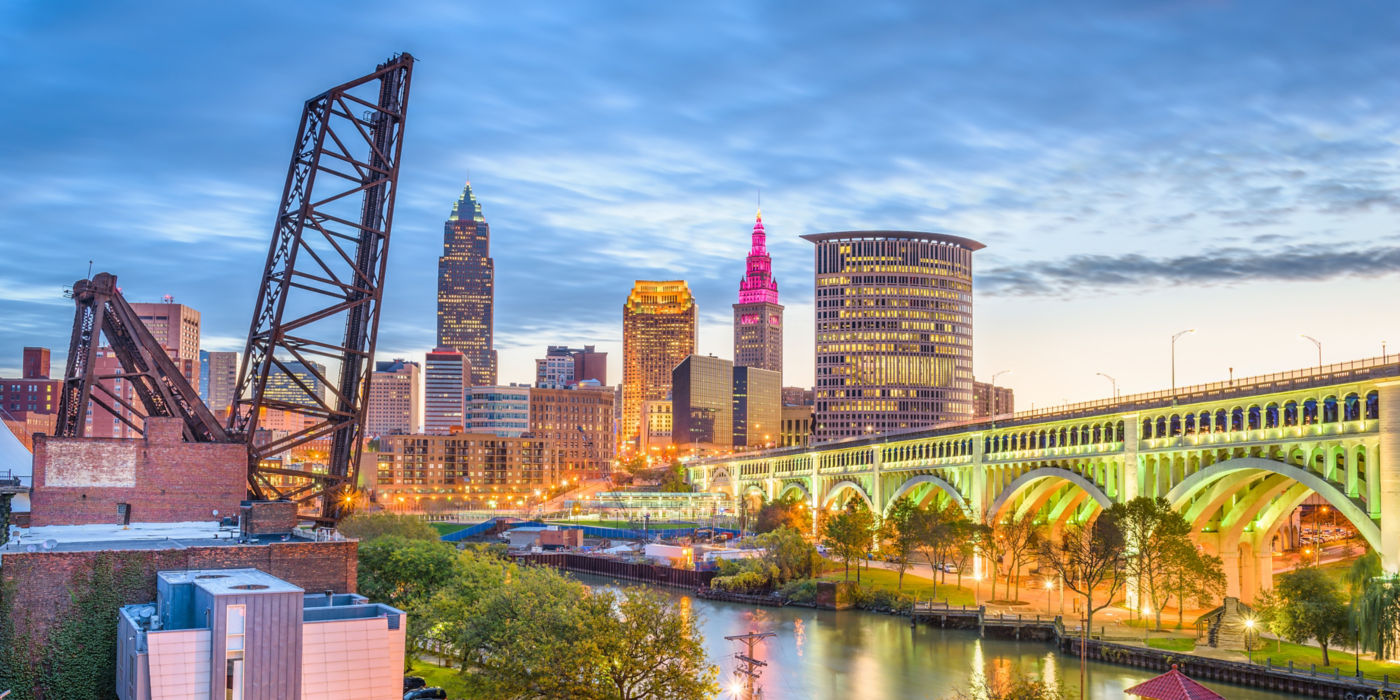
(1133,176)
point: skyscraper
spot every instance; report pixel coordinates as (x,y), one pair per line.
(894,331)
(658,331)
(702,403)
(758,317)
(578,422)
(467,288)
(395,405)
(498,410)
(758,407)
(222,379)
(446,383)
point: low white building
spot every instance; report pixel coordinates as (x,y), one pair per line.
(241,634)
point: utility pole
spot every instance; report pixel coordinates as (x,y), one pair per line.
(746,675)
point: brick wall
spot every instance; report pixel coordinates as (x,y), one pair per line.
(267,517)
(41,581)
(80,481)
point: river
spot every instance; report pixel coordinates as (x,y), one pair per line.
(855,655)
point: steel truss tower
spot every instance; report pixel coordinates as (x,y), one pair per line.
(321,287)
(154,377)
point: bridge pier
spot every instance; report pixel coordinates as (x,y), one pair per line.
(1389,468)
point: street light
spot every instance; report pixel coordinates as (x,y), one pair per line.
(1174,339)
(993,398)
(1115,384)
(1249,630)
(1316,342)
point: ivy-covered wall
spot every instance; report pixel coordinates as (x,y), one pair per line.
(76,657)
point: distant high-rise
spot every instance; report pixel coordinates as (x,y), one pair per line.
(36,363)
(284,385)
(498,410)
(176,328)
(222,380)
(446,383)
(467,288)
(758,407)
(702,403)
(658,331)
(894,331)
(578,422)
(395,405)
(758,317)
(984,405)
(564,366)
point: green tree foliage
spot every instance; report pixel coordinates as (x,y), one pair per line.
(1160,551)
(789,512)
(787,551)
(675,480)
(1089,558)
(1375,605)
(1019,538)
(368,526)
(1191,577)
(904,531)
(407,574)
(1309,606)
(849,533)
(534,633)
(1011,689)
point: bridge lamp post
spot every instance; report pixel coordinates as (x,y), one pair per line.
(993,397)
(1248,632)
(1316,342)
(1174,339)
(1111,379)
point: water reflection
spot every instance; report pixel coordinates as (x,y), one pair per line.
(852,655)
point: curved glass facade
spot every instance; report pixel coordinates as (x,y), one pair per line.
(894,331)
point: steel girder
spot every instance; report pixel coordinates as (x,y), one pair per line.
(320,294)
(155,379)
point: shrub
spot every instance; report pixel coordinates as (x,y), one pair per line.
(743,582)
(883,600)
(801,591)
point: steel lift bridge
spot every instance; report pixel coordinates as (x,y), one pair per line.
(318,306)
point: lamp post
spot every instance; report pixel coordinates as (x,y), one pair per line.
(1174,339)
(993,397)
(1248,631)
(1115,384)
(1316,342)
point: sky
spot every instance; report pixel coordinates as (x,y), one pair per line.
(1134,169)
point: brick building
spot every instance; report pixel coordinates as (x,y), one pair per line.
(578,422)
(176,328)
(428,473)
(395,404)
(29,402)
(157,478)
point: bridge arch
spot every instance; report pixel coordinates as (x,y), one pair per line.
(1349,509)
(801,490)
(841,486)
(938,482)
(1035,475)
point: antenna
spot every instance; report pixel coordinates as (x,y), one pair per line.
(89,275)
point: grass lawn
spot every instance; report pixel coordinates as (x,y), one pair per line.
(1302,656)
(917,586)
(1172,643)
(440,677)
(447,528)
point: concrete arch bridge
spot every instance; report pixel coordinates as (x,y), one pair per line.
(1235,458)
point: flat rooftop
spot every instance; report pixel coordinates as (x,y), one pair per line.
(94,538)
(231,581)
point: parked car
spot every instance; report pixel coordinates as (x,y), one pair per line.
(426,694)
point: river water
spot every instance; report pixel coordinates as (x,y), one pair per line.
(855,655)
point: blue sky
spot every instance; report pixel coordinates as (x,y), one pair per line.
(1134,168)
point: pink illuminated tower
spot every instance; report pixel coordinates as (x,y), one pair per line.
(758,317)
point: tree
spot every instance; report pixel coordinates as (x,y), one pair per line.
(784,512)
(1375,605)
(1090,555)
(649,648)
(904,530)
(1019,537)
(992,548)
(999,688)
(1309,606)
(849,534)
(1157,540)
(407,574)
(675,480)
(964,536)
(1191,576)
(790,553)
(368,526)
